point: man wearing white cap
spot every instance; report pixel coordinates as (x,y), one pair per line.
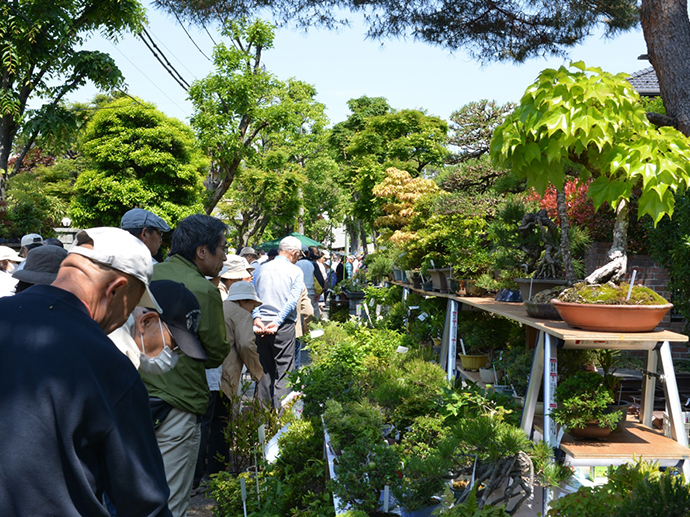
(75,420)
(8,262)
(278,284)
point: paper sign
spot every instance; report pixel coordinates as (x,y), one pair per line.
(422,316)
(262,433)
(316,333)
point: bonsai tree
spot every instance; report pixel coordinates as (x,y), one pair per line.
(583,399)
(587,121)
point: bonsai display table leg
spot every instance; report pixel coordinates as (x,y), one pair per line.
(449,343)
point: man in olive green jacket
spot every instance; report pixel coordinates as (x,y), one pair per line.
(179,398)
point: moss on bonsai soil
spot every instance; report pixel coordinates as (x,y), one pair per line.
(609,294)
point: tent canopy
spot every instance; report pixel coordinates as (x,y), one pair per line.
(302,238)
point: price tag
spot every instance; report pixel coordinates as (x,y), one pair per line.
(316,333)
(372,302)
(262,434)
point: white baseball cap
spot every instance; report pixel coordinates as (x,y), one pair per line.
(120,250)
(31,238)
(243,291)
(7,253)
(235,267)
(290,243)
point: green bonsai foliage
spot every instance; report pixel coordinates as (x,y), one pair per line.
(632,490)
(484,333)
(352,421)
(408,391)
(470,508)
(583,399)
(608,294)
(363,470)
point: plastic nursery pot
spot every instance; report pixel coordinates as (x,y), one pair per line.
(473,362)
(612,318)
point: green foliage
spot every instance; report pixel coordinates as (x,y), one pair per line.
(138,157)
(422,478)
(484,333)
(593,118)
(583,398)
(607,294)
(39,61)
(410,390)
(633,489)
(363,471)
(669,245)
(351,422)
(240,432)
(548,472)
(470,508)
(458,404)
(489,438)
(473,125)
(517,365)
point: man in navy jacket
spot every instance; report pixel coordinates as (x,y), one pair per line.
(74,416)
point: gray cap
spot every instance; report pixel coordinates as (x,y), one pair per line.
(42,264)
(247,251)
(140,218)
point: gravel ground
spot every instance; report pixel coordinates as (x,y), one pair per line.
(201,506)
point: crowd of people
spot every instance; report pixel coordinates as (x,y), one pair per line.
(116,366)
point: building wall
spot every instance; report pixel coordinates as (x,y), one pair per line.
(649,274)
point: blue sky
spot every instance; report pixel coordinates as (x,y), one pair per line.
(344,65)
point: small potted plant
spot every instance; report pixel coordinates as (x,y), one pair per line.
(583,406)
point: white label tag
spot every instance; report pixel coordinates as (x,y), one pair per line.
(262,434)
(422,316)
(316,333)
(402,350)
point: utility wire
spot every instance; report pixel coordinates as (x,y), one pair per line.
(160,42)
(190,37)
(148,79)
(209,35)
(158,54)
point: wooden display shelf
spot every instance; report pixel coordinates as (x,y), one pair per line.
(571,337)
(636,439)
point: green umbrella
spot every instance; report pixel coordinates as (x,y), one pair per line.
(302,238)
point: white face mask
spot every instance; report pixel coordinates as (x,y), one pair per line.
(163,362)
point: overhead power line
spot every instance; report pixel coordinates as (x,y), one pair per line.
(158,54)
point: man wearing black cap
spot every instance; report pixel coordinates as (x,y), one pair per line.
(145,226)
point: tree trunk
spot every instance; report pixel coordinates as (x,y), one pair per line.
(615,268)
(363,236)
(300,217)
(666,29)
(566,254)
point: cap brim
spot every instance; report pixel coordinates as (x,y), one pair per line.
(34,277)
(148,301)
(188,343)
(237,275)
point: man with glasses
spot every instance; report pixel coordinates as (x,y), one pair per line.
(198,251)
(278,284)
(147,227)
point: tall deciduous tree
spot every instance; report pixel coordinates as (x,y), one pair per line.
(472,126)
(241,101)
(138,157)
(39,60)
(374,138)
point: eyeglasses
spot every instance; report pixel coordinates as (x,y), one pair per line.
(223,247)
(173,344)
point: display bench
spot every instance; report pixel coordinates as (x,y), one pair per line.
(637,439)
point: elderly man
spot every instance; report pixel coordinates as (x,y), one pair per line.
(278,284)
(145,226)
(198,251)
(75,420)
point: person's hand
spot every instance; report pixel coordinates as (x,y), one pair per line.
(259,327)
(271,328)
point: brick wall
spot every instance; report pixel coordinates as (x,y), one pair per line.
(649,274)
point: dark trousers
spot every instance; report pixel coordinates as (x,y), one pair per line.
(212,444)
(277,356)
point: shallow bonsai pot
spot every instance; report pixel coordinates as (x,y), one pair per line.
(612,318)
(590,431)
(538,285)
(542,310)
(427,286)
(473,362)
